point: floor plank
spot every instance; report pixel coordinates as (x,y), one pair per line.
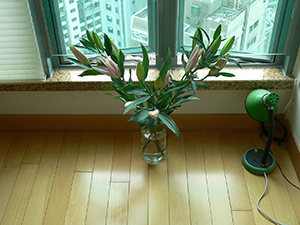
(121,159)
(178,189)
(86,153)
(44,179)
(5,140)
(235,179)
(158,194)
(118,204)
(243,218)
(98,200)
(197,184)
(35,147)
(58,200)
(78,201)
(11,167)
(19,198)
(218,193)
(139,185)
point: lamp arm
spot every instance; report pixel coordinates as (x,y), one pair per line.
(270,136)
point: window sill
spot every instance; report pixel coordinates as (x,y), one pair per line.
(245,79)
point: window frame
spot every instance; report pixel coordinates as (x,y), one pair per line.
(170,24)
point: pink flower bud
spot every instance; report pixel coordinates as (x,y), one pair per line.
(193,59)
(112,69)
(80,56)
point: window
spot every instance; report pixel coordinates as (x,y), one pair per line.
(74,19)
(73,10)
(260,27)
(110,29)
(109,18)
(108,7)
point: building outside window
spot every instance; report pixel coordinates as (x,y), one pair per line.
(254,23)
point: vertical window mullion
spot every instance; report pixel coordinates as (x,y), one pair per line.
(167,30)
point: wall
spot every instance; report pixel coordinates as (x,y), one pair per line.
(95,102)
(294,115)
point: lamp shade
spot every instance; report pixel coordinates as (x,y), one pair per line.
(258,101)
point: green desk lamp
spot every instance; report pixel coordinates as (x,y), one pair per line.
(261,105)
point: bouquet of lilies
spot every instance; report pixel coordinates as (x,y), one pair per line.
(153,102)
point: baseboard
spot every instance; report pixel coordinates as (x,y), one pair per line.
(186,122)
(293,150)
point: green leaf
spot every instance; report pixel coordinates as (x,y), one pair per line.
(119,83)
(217,32)
(145,62)
(75,61)
(87,44)
(198,38)
(207,36)
(202,85)
(107,44)
(134,89)
(139,116)
(176,86)
(169,123)
(183,99)
(225,74)
(90,37)
(195,86)
(232,61)
(121,62)
(136,102)
(90,72)
(165,67)
(150,123)
(199,42)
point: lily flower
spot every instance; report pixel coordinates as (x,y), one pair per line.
(127,104)
(80,56)
(112,69)
(154,114)
(193,59)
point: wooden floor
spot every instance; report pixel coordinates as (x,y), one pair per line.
(57,177)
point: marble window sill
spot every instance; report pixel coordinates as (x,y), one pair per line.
(245,79)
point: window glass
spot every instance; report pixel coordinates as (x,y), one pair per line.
(250,21)
(127,22)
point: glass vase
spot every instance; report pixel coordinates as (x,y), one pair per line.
(154,144)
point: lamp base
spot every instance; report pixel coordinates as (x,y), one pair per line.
(252,161)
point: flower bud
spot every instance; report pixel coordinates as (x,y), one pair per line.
(140,72)
(97,41)
(227,46)
(158,83)
(221,63)
(80,56)
(166,80)
(154,114)
(115,50)
(127,104)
